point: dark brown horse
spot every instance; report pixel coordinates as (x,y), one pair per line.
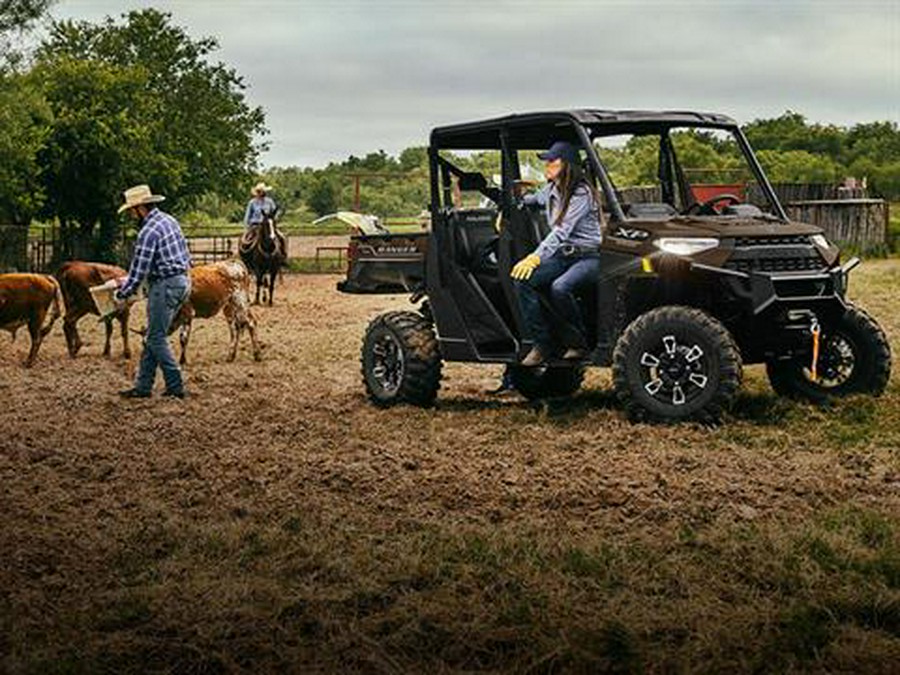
(264,255)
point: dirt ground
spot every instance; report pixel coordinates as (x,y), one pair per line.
(277,521)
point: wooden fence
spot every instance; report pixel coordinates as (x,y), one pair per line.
(859,223)
(45,252)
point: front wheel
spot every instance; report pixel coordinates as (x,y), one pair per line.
(400,360)
(674,364)
(854,358)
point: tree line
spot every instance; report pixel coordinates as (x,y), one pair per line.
(96,107)
(790,148)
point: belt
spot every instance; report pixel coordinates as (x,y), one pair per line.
(571,250)
(163,277)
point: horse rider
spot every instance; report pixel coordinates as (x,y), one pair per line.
(259,208)
(161,257)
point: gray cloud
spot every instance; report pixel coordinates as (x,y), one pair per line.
(345,77)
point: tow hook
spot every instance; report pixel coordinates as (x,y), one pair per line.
(816,331)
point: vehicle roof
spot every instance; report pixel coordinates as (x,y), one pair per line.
(539,129)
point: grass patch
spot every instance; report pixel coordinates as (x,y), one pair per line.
(320,266)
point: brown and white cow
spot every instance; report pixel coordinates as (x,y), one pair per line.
(24,301)
(75,279)
(222,286)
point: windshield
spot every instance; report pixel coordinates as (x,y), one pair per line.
(697,171)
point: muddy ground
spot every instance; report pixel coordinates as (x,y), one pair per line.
(276,520)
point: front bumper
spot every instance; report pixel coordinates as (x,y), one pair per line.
(766,290)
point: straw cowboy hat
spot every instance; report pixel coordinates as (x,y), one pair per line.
(138,195)
(260,187)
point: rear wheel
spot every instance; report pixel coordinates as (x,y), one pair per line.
(854,358)
(676,363)
(546,381)
(400,360)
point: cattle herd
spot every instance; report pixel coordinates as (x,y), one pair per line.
(27,299)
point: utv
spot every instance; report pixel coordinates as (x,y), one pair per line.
(702,271)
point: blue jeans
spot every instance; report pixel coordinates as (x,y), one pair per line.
(164,299)
(562,276)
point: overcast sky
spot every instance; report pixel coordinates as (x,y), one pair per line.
(349,77)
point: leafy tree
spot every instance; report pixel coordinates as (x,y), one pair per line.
(323,198)
(19,14)
(414,158)
(100,141)
(17,17)
(25,119)
(790,131)
(139,101)
(23,122)
(798,166)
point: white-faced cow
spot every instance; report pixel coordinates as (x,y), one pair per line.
(24,301)
(76,279)
(222,286)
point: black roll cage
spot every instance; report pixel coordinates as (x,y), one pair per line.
(536,130)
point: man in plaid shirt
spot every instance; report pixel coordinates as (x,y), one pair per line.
(161,257)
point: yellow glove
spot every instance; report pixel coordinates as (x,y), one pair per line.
(523,269)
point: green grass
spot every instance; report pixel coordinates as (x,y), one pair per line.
(312,266)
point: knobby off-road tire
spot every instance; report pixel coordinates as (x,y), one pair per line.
(854,358)
(400,360)
(674,364)
(546,381)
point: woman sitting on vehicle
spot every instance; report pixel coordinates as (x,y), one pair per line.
(566,259)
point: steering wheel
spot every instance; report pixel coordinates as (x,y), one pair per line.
(708,208)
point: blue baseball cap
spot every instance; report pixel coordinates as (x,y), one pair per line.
(560,150)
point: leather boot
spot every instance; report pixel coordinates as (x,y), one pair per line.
(532,358)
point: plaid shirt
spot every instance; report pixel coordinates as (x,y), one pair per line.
(160,252)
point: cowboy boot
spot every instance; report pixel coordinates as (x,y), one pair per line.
(532,358)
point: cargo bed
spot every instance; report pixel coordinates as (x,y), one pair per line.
(385,263)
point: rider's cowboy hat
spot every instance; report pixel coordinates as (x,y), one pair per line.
(260,187)
(138,195)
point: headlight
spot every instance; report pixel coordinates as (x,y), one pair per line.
(820,241)
(685,246)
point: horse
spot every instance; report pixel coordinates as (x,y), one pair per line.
(264,255)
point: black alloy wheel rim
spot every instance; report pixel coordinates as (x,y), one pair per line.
(387,363)
(675,373)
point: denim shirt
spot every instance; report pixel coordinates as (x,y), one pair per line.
(580,226)
(256,210)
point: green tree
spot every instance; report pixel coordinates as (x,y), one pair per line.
(798,166)
(139,101)
(790,131)
(25,120)
(414,158)
(323,198)
(19,14)
(17,17)
(100,140)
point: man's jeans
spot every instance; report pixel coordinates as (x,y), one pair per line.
(563,275)
(165,297)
